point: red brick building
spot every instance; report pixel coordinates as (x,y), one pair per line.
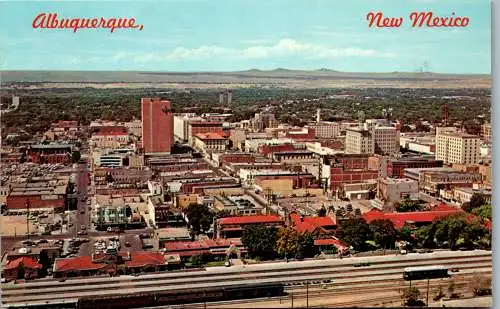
(198,186)
(270,149)
(340,175)
(299,180)
(11,158)
(157,126)
(308,134)
(65,125)
(236,158)
(50,153)
(353,161)
(35,201)
(395,168)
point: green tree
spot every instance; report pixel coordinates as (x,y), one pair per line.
(477,200)
(71,188)
(408,205)
(483,211)
(197,260)
(449,229)
(200,218)
(354,232)
(412,297)
(224,213)
(305,245)
(357,212)
(384,232)
(287,242)
(260,241)
(322,211)
(472,234)
(75,156)
(109,178)
(349,208)
(424,236)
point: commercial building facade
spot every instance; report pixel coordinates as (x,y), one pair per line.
(157,126)
(358,141)
(457,147)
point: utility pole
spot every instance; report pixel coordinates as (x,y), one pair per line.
(292,297)
(427,302)
(27,218)
(307,293)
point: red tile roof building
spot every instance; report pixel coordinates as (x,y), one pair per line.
(21,268)
(197,127)
(399,219)
(302,224)
(157,126)
(121,263)
(232,227)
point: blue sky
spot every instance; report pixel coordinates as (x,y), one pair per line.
(232,35)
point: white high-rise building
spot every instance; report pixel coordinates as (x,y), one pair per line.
(457,147)
(386,139)
(358,141)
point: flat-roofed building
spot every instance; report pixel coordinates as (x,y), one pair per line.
(326,129)
(210,142)
(157,126)
(232,227)
(457,147)
(386,140)
(359,141)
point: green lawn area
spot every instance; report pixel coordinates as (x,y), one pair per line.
(215,263)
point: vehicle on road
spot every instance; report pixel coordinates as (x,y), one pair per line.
(425,272)
(361,265)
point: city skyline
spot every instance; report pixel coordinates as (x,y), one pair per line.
(245,35)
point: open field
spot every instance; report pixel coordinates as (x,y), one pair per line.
(252,78)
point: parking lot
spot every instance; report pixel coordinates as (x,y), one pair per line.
(123,242)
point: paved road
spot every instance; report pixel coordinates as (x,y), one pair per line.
(81,186)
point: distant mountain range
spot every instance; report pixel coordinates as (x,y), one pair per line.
(278,77)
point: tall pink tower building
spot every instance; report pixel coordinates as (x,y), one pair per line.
(157,126)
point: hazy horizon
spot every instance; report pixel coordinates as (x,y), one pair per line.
(231,36)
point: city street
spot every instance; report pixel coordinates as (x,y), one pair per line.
(81,188)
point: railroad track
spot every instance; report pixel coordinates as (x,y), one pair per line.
(27,293)
(339,272)
(206,273)
(362,279)
(247,272)
(462,283)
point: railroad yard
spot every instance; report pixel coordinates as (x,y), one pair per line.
(320,282)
